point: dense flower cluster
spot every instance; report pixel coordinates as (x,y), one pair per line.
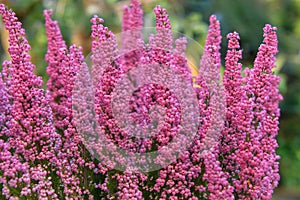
(44,155)
(64,63)
(29,154)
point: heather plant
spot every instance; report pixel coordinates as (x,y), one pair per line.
(130,122)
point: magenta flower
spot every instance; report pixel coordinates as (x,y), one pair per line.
(259,173)
(249,144)
(211,58)
(64,63)
(32,136)
(86,138)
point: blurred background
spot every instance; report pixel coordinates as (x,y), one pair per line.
(191,18)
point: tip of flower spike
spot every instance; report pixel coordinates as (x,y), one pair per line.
(214,32)
(268,28)
(233,35)
(97,20)
(135,3)
(125,9)
(212,18)
(48,13)
(2,6)
(162,18)
(211,59)
(233,40)
(270,37)
(266,56)
(132,16)
(214,23)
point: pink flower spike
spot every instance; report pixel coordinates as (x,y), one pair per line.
(211,59)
